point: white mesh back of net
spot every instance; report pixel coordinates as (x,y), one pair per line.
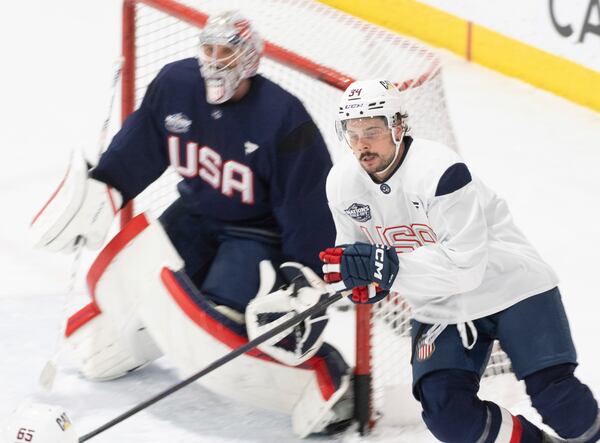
(341,42)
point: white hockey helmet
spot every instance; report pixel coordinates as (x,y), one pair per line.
(370,98)
(39,422)
(223,74)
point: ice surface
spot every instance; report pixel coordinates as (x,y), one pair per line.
(535,149)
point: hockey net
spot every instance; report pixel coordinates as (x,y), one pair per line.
(314,52)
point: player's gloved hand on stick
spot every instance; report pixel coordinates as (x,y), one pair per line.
(360,265)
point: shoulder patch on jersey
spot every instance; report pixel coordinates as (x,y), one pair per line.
(359,212)
(455,177)
(300,138)
(177,123)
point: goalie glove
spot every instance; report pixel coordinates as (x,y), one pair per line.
(80,207)
(302,290)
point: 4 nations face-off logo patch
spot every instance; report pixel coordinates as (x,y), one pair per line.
(359,212)
(177,123)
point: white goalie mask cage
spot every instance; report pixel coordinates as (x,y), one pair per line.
(223,75)
(369,99)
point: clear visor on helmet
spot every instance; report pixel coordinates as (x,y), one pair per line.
(362,130)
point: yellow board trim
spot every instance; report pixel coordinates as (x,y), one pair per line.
(486,47)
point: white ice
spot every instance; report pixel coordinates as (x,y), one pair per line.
(539,151)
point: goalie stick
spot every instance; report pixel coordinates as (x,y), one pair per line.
(220,362)
(48,373)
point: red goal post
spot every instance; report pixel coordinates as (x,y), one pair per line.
(313,51)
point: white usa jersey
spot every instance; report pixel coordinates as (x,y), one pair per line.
(461,256)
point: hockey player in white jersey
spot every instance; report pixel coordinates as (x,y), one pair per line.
(411,218)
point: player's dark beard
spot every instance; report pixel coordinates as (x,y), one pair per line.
(382,167)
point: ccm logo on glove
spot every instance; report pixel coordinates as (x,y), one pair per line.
(360,264)
(378,262)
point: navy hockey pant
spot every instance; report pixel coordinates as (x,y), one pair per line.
(454,414)
(536,336)
(221,259)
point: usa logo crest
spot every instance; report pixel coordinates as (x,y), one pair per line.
(359,212)
(424,350)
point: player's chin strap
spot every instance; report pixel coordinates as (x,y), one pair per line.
(468,341)
(398,143)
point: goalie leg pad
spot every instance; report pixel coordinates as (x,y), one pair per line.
(315,409)
(107,338)
(198,334)
(103,352)
(192,333)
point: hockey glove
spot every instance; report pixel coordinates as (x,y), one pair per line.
(360,264)
(80,207)
(302,290)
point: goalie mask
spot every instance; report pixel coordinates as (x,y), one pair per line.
(368,99)
(230,51)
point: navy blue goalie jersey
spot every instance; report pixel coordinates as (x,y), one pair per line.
(258,162)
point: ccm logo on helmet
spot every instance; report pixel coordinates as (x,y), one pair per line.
(378,262)
(63,421)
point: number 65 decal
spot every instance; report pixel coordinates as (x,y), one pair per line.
(25,434)
(403,238)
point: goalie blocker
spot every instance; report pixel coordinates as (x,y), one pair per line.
(136,316)
(80,206)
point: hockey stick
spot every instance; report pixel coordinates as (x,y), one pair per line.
(48,373)
(220,362)
(118,67)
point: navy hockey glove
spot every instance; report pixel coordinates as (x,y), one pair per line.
(360,264)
